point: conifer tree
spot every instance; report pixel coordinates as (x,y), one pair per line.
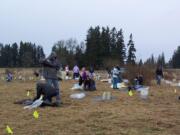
(131,58)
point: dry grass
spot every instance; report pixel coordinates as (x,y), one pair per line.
(159,115)
(146,72)
(172,74)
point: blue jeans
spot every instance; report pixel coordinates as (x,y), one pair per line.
(115,81)
(55,84)
(158,78)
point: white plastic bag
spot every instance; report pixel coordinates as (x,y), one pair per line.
(144,92)
(120,85)
(77,87)
(35,104)
(125,80)
(78,95)
(106,96)
(77,78)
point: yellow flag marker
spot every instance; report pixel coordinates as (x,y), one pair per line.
(36,114)
(9,130)
(28,93)
(130,93)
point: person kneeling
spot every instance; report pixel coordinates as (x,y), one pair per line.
(48,93)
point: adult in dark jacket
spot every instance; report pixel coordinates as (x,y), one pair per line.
(159,75)
(47,91)
(51,67)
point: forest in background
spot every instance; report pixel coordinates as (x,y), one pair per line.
(104,47)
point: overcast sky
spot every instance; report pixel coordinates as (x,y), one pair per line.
(155,24)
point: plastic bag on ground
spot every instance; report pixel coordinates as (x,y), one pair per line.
(77,87)
(120,85)
(106,80)
(77,78)
(144,92)
(138,87)
(78,95)
(106,96)
(35,104)
(125,80)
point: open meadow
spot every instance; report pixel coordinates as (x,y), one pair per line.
(125,115)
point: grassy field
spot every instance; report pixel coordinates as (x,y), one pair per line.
(159,115)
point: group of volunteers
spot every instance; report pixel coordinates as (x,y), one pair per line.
(48,84)
(116,75)
(85,77)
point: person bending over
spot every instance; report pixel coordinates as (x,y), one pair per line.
(51,67)
(48,92)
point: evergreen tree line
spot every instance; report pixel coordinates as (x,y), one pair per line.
(25,54)
(154,62)
(103,47)
(175,60)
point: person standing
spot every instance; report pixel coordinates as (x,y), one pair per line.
(51,67)
(91,72)
(115,77)
(83,76)
(159,75)
(75,72)
(67,72)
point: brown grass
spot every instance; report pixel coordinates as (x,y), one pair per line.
(159,115)
(172,74)
(146,72)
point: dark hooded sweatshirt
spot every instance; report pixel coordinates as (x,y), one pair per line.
(50,68)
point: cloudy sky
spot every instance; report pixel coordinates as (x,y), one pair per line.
(155,24)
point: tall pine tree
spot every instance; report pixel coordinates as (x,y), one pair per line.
(113,41)
(131,58)
(93,47)
(121,48)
